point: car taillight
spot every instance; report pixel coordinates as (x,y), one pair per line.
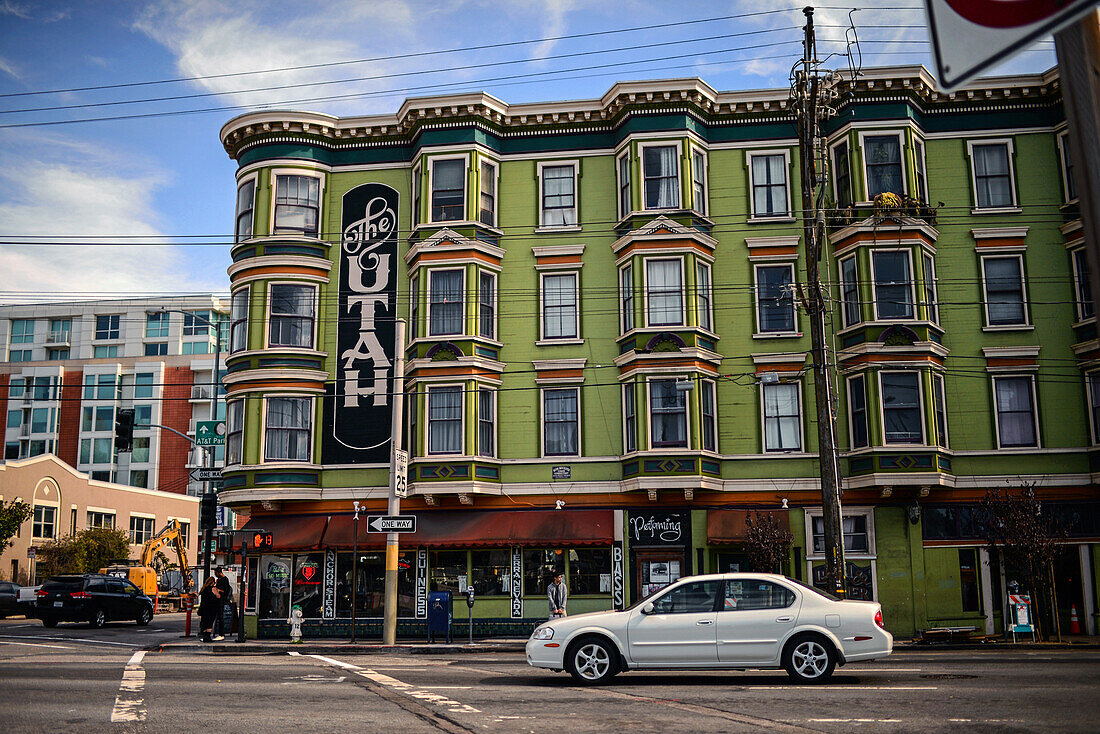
(41,593)
(878,619)
(80,595)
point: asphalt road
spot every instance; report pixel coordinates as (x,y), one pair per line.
(80,679)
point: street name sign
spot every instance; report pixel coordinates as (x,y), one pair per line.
(210,433)
(391,523)
(971,36)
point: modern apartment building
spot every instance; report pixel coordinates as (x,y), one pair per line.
(71,365)
(607,363)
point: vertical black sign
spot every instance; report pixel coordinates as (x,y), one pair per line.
(329,608)
(516,588)
(421,583)
(358,405)
(618,574)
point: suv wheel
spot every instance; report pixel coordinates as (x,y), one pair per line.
(49,622)
(98,619)
(144,616)
(592,661)
(809,660)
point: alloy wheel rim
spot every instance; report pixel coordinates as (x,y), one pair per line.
(100,617)
(592,662)
(810,659)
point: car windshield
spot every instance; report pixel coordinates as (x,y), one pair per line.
(61,583)
(814,589)
(646,598)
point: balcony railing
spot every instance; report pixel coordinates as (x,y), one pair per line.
(58,337)
(200,392)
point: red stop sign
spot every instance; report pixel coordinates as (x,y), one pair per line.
(1006,13)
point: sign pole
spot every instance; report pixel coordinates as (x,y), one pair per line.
(242,585)
(354,567)
(389,622)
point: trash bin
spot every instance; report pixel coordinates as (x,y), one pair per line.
(440,614)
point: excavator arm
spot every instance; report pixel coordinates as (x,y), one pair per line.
(172,533)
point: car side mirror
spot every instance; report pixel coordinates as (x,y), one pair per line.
(648,608)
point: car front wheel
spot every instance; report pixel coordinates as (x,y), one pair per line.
(809,660)
(49,622)
(98,619)
(144,616)
(592,661)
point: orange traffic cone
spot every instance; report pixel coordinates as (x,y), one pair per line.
(1074,625)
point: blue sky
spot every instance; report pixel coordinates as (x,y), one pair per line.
(167,178)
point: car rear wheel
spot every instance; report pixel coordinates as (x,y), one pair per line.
(98,619)
(144,616)
(809,660)
(49,622)
(592,661)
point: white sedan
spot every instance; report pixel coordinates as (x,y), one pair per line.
(731,621)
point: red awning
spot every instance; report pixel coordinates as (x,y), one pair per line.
(291,532)
(484,528)
(729,526)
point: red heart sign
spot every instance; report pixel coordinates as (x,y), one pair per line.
(308,572)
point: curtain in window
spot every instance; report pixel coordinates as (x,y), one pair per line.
(447,190)
(668,412)
(446,295)
(292,315)
(296,204)
(560,425)
(485,423)
(662,184)
(883,165)
(487,298)
(1004,291)
(445,420)
(769,183)
(893,295)
(238,327)
(288,429)
(781,427)
(775,298)
(1015,417)
(559,309)
(558,207)
(991,176)
(901,407)
(665,303)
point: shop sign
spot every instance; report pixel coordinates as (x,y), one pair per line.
(517,583)
(278,575)
(357,405)
(618,597)
(561,472)
(421,583)
(309,574)
(658,528)
(330,585)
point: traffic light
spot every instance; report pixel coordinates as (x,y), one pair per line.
(124,430)
(262,541)
(208,511)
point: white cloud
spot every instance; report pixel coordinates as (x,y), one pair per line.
(9,68)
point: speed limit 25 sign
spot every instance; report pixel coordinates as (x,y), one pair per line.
(971,36)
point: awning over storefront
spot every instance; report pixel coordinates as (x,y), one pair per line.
(729,526)
(447,529)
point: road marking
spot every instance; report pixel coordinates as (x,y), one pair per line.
(36,644)
(67,639)
(842,688)
(129,705)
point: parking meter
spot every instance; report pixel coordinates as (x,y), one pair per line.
(470,597)
(470,612)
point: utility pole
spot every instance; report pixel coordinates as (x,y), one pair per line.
(810,89)
(389,618)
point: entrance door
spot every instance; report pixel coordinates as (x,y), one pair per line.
(658,569)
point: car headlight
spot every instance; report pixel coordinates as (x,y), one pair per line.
(544,633)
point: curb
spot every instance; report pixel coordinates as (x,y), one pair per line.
(307,648)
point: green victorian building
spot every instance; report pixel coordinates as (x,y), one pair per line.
(606,367)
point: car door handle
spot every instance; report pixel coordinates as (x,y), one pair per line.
(783,619)
(701,622)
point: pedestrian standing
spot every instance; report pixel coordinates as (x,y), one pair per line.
(210,606)
(224,622)
(558,595)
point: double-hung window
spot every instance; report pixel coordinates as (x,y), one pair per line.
(708,410)
(1014,398)
(667,415)
(857,411)
(849,291)
(930,300)
(445,419)
(782,416)
(156,324)
(488,202)
(414,307)
(486,422)
(703,296)
(699,181)
(448,189)
(854,528)
(626,297)
(1092,380)
(882,155)
(664,292)
(445,302)
(661,176)
(624,185)
(893,284)
(939,406)
(416,197)
(141,529)
(234,432)
(901,407)
(992,176)
(774,299)
(45,522)
(107,327)
(288,428)
(238,320)
(842,166)
(1069,187)
(559,306)
(558,195)
(922,182)
(769,185)
(1085,307)
(630,419)
(297,204)
(292,315)
(560,422)
(487,302)
(1003,277)
(246,196)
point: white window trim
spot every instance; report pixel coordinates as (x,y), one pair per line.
(619,183)
(713,328)
(756,300)
(415,200)
(427,393)
(543,339)
(645,292)
(575,163)
(428,292)
(786,216)
(273,186)
(495,453)
(1034,412)
(933,308)
(833,164)
(851,415)
(263,429)
(714,412)
(923,165)
(431,161)
(1077,280)
(1023,293)
(1011,152)
(912,284)
(843,303)
(229,404)
(622,300)
(482,161)
(687,414)
(872,548)
(414,311)
(945,439)
(1089,398)
(801,422)
(631,388)
(496,303)
(254,177)
(692,150)
(1063,140)
(267,314)
(679,145)
(247,288)
(864,134)
(921,405)
(542,422)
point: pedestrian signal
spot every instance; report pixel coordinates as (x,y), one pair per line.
(262,541)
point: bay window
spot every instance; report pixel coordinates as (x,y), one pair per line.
(1083,287)
(893,284)
(857,412)
(699,181)
(708,410)
(234,432)
(445,419)
(624,185)
(445,302)
(486,422)
(661,176)
(626,297)
(630,419)
(667,415)
(246,196)
(703,296)
(902,416)
(849,292)
(842,167)
(930,299)
(291,316)
(448,189)
(882,156)
(297,204)
(488,202)
(664,292)
(487,300)
(238,320)
(288,427)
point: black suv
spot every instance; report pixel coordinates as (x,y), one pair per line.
(92,598)
(9,599)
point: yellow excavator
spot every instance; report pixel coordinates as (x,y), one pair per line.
(168,594)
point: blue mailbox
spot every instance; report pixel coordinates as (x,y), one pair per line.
(440,614)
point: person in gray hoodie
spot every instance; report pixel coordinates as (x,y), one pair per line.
(558,595)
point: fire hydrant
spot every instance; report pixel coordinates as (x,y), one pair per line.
(295,625)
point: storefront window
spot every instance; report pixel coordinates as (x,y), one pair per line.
(370,592)
(446,569)
(274,587)
(539,567)
(490,572)
(308,577)
(590,571)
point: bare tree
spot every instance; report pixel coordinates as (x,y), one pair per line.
(767,542)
